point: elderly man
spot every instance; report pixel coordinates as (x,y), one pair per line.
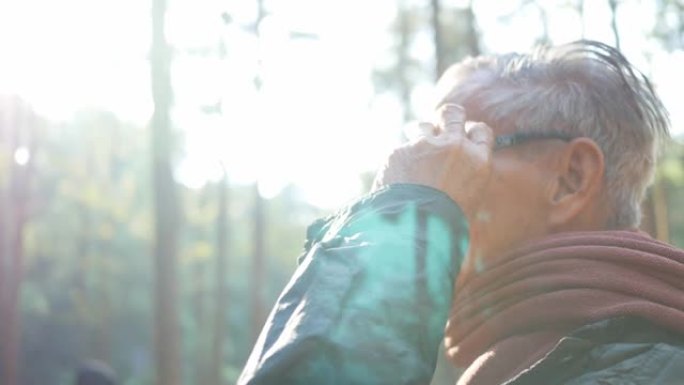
(517,233)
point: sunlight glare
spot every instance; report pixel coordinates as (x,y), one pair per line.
(22,156)
(316,121)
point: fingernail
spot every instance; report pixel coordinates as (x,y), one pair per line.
(453,107)
(415,130)
(454,113)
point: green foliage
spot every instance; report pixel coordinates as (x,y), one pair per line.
(87,288)
(669,26)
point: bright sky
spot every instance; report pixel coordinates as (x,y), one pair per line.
(317,122)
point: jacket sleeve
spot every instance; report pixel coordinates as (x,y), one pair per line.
(370,297)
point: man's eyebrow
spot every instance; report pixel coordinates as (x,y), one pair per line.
(521,137)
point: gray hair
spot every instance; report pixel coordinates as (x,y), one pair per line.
(584,89)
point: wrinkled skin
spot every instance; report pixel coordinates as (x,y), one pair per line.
(451,160)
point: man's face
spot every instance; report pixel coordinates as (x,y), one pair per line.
(515,203)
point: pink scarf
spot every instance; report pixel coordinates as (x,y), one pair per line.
(510,315)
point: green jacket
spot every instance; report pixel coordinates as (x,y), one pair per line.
(371,295)
(617,351)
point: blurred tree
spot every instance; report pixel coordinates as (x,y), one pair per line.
(258,278)
(660,210)
(672,175)
(440,59)
(96,251)
(462,27)
(220,284)
(579,7)
(87,303)
(613,4)
(669,25)
(669,31)
(166,328)
(663,217)
(18,138)
(544,38)
(454,35)
(399,76)
(472,34)
(258,281)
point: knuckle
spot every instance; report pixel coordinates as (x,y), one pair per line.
(395,155)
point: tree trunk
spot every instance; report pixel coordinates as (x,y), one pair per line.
(16,270)
(221,284)
(258,280)
(544,17)
(403,60)
(438,41)
(10,284)
(613,22)
(201,356)
(166,328)
(580,11)
(15,199)
(660,214)
(8,359)
(473,39)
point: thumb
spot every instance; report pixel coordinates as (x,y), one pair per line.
(482,135)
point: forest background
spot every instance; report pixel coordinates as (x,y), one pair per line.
(161,159)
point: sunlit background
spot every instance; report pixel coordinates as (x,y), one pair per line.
(299,100)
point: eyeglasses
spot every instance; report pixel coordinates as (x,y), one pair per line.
(503,141)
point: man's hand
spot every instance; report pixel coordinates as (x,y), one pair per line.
(451,160)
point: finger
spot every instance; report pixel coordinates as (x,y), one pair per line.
(444,138)
(481,134)
(415,130)
(452,119)
(428,129)
(427,144)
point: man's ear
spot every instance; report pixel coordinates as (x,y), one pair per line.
(578,184)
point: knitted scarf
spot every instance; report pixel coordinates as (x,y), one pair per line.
(513,312)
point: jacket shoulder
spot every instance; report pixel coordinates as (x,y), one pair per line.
(623,350)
